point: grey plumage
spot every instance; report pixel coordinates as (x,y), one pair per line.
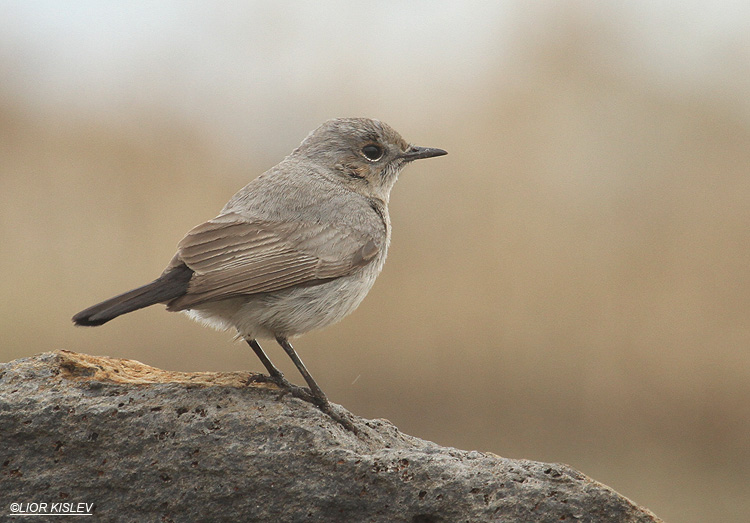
(296,249)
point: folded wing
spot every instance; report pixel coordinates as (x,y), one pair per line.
(233,256)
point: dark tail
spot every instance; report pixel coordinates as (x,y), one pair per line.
(166,287)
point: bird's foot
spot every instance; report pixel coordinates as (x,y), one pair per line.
(338,417)
(304,394)
(285,386)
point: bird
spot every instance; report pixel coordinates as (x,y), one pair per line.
(295,250)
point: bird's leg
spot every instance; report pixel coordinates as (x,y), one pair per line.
(318,396)
(274,374)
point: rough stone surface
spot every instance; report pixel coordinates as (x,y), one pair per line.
(143,444)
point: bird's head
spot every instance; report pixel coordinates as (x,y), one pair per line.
(367,155)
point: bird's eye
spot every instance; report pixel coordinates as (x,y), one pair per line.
(372,152)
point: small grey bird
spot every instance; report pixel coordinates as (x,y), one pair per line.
(296,249)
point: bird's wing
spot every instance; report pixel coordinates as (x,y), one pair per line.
(234,256)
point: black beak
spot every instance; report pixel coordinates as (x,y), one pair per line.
(417,153)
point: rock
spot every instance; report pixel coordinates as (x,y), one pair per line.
(143,444)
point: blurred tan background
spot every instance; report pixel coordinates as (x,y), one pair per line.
(570,284)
